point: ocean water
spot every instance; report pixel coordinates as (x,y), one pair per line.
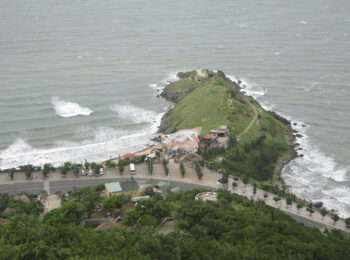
(79,79)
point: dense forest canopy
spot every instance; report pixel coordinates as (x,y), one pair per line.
(232,228)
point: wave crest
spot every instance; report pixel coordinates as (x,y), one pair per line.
(69,109)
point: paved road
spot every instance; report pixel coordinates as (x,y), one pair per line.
(27,187)
(69,185)
(314,224)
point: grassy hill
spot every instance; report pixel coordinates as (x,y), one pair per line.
(210,104)
(215,101)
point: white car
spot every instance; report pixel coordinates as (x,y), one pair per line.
(101,171)
(83,172)
(90,173)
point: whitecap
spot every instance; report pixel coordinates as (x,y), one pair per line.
(106,143)
(248,87)
(158,87)
(69,109)
(303,22)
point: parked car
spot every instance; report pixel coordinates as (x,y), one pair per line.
(90,173)
(83,173)
(132,169)
(101,171)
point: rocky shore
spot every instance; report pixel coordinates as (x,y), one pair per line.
(175,97)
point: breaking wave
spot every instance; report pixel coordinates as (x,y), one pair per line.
(314,175)
(158,87)
(106,143)
(138,115)
(69,109)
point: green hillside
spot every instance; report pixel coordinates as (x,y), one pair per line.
(209,105)
(258,138)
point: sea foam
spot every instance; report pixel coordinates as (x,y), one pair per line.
(158,87)
(316,176)
(69,109)
(135,114)
(106,143)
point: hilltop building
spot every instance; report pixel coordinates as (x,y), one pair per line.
(186,141)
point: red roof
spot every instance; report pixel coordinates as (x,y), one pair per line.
(199,128)
(195,139)
(208,136)
(131,156)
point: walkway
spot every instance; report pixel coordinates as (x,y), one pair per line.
(251,122)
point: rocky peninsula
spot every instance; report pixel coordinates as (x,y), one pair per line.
(210,99)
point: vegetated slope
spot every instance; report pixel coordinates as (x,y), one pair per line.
(217,101)
(209,104)
(233,228)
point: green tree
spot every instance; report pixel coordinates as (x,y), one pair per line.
(28,171)
(254,189)
(150,165)
(148,221)
(234,185)
(289,201)
(245,180)
(69,212)
(121,168)
(46,170)
(86,165)
(323,212)
(166,169)
(335,218)
(114,202)
(182,170)
(347,222)
(310,210)
(299,206)
(11,173)
(276,199)
(64,170)
(198,171)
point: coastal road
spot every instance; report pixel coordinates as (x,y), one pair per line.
(69,185)
(26,187)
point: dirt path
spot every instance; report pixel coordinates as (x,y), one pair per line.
(251,122)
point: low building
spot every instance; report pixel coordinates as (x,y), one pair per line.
(136,199)
(204,196)
(116,188)
(186,140)
(222,131)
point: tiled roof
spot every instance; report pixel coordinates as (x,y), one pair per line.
(128,155)
(208,136)
(113,187)
(129,186)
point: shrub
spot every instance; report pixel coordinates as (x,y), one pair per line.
(182,170)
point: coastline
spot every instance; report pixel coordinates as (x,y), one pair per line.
(290,132)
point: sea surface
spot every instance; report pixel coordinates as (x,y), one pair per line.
(79,78)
